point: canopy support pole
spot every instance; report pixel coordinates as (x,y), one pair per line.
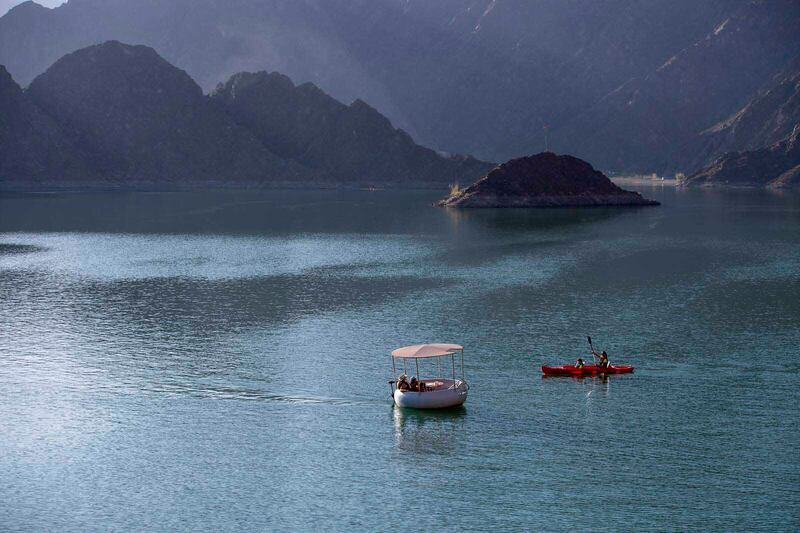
(416,362)
(453,360)
(394,369)
(462,364)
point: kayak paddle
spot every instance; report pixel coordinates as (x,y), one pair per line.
(594,354)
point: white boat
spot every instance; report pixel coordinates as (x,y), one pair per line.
(429,393)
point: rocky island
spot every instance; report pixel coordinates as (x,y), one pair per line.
(544,180)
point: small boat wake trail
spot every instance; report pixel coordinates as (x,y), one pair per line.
(245,394)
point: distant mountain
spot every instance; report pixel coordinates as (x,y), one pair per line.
(526,66)
(764,120)
(120,115)
(654,121)
(777,166)
(631,86)
(33,146)
(139,118)
(305,125)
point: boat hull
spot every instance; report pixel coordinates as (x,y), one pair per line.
(446,395)
(588,370)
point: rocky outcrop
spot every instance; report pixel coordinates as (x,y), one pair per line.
(544,180)
(777,166)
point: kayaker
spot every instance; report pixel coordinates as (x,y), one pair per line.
(603,360)
(579,363)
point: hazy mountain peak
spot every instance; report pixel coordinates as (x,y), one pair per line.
(5,77)
(358,103)
(278,88)
(111,51)
(312,89)
(26,7)
(119,72)
(141,118)
(10,91)
(243,81)
(370,115)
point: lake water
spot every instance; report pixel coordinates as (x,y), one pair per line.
(219,361)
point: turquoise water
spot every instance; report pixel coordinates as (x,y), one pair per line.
(219,361)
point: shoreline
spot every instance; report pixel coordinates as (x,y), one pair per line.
(51,188)
(636,180)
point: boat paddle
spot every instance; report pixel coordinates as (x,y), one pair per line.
(594,354)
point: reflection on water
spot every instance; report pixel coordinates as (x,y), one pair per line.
(429,431)
(514,220)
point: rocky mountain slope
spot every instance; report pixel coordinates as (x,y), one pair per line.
(32,144)
(766,119)
(139,118)
(544,180)
(120,115)
(656,120)
(305,125)
(777,166)
(631,86)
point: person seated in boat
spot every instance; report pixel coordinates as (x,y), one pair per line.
(579,363)
(603,360)
(414,385)
(402,382)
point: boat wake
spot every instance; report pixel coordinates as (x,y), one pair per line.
(245,394)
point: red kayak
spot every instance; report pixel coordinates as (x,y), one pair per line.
(588,370)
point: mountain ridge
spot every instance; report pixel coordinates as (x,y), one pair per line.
(307,125)
(776,167)
(764,120)
(32,142)
(658,119)
(474,76)
(128,118)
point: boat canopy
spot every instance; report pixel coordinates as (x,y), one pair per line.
(419,351)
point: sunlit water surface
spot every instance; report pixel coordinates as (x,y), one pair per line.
(219,361)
